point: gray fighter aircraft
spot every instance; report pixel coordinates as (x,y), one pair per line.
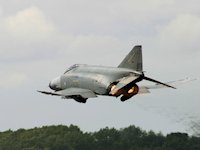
(81,82)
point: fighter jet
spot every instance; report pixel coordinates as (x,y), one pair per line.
(80,81)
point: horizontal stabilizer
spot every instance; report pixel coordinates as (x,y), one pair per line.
(171,83)
(158,82)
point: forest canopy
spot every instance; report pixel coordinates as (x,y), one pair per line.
(72,138)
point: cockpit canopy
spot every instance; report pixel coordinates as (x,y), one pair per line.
(72,67)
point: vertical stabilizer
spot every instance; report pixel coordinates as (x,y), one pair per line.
(133,60)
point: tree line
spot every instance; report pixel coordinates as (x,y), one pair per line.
(72,138)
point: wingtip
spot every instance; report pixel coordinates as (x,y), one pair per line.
(138,46)
(40,91)
(167,85)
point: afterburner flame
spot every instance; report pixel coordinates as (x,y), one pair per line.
(113,87)
(131,90)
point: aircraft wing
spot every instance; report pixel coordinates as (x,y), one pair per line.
(85,93)
(145,89)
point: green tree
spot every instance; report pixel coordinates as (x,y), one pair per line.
(107,139)
(177,141)
(72,138)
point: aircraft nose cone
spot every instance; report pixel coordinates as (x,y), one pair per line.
(50,85)
(55,84)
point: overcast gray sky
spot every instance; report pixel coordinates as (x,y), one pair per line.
(39,40)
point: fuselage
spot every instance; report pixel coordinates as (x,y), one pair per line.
(81,82)
(96,78)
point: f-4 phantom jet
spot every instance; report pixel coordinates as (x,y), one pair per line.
(81,82)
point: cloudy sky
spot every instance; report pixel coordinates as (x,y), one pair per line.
(39,40)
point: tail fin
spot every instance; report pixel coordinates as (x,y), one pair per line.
(133,60)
